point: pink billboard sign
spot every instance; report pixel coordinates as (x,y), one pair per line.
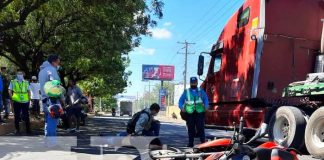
(158,72)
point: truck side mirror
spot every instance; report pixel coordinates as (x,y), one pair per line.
(201,63)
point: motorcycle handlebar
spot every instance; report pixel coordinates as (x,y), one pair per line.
(241,125)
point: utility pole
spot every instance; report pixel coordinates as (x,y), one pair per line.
(186,45)
(149,93)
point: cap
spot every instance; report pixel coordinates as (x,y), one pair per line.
(34,78)
(193,80)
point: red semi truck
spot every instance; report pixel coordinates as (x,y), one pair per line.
(265,46)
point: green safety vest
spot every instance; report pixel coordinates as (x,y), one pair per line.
(20,91)
(194,103)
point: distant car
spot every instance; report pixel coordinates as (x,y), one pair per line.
(129,113)
(126,108)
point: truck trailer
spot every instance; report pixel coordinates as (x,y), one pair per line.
(259,64)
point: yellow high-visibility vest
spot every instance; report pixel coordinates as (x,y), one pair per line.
(20,91)
(194,103)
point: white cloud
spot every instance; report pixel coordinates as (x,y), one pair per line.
(167,24)
(144,51)
(161,33)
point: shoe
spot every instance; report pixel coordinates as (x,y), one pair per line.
(77,130)
(71,130)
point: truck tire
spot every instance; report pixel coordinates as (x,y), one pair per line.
(314,136)
(287,127)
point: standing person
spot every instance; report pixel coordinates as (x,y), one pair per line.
(1,93)
(35,96)
(54,91)
(5,94)
(48,72)
(193,104)
(19,94)
(74,95)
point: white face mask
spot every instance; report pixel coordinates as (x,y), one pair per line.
(20,77)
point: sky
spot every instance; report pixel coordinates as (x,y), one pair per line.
(196,21)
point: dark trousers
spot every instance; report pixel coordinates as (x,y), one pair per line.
(154,130)
(196,127)
(21,111)
(35,106)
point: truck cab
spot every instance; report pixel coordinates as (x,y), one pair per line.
(266,45)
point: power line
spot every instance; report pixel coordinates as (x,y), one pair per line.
(201,19)
(203,25)
(186,45)
(205,29)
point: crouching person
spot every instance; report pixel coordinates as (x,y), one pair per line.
(143,123)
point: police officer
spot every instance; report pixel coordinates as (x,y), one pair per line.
(193,104)
(19,94)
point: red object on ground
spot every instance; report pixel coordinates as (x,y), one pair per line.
(215,143)
(270,145)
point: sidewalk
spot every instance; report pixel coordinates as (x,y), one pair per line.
(9,126)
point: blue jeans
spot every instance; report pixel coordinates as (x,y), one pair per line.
(6,106)
(50,125)
(154,130)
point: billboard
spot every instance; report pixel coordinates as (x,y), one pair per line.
(158,72)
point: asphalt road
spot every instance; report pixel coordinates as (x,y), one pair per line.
(83,145)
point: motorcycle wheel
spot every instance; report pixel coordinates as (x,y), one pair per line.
(164,152)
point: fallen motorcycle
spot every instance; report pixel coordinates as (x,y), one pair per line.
(230,149)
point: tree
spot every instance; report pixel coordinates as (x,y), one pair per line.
(153,97)
(14,13)
(92,37)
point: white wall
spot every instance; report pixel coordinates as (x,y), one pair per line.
(178,90)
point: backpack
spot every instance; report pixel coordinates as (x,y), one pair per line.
(132,122)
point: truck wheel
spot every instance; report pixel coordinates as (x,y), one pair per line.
(287,127)
(314,136)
